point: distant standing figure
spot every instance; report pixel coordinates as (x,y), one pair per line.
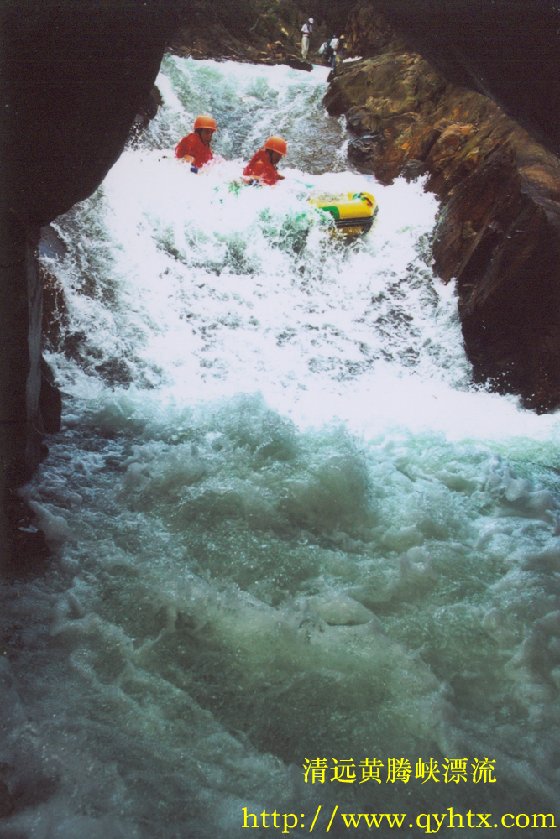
(341,46)
(306,31)
(328,53)
(333,43)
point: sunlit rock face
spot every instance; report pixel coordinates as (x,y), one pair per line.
(507,49)
(498,231)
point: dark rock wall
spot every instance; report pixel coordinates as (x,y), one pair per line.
(499,229)
(499,234)
(73,75)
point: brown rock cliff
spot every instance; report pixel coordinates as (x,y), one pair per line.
(499,227)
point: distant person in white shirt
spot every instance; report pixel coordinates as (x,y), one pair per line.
(306,31)
(332,51)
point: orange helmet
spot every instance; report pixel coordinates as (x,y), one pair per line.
(277,144)
(205,121)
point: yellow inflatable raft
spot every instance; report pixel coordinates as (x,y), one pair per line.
(353,213)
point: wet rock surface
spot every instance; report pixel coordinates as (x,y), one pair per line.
(500,236)
(505,49)
(72,76)
(499,229)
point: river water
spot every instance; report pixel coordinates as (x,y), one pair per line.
(287,530)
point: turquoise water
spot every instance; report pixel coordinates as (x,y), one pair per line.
(285,525)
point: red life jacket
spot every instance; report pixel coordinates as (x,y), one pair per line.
(193,146)
(260,167)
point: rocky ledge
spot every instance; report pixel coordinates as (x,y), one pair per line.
(215,42)
(498,232)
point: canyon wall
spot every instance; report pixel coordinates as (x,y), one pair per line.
(499,228)
(73,76)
